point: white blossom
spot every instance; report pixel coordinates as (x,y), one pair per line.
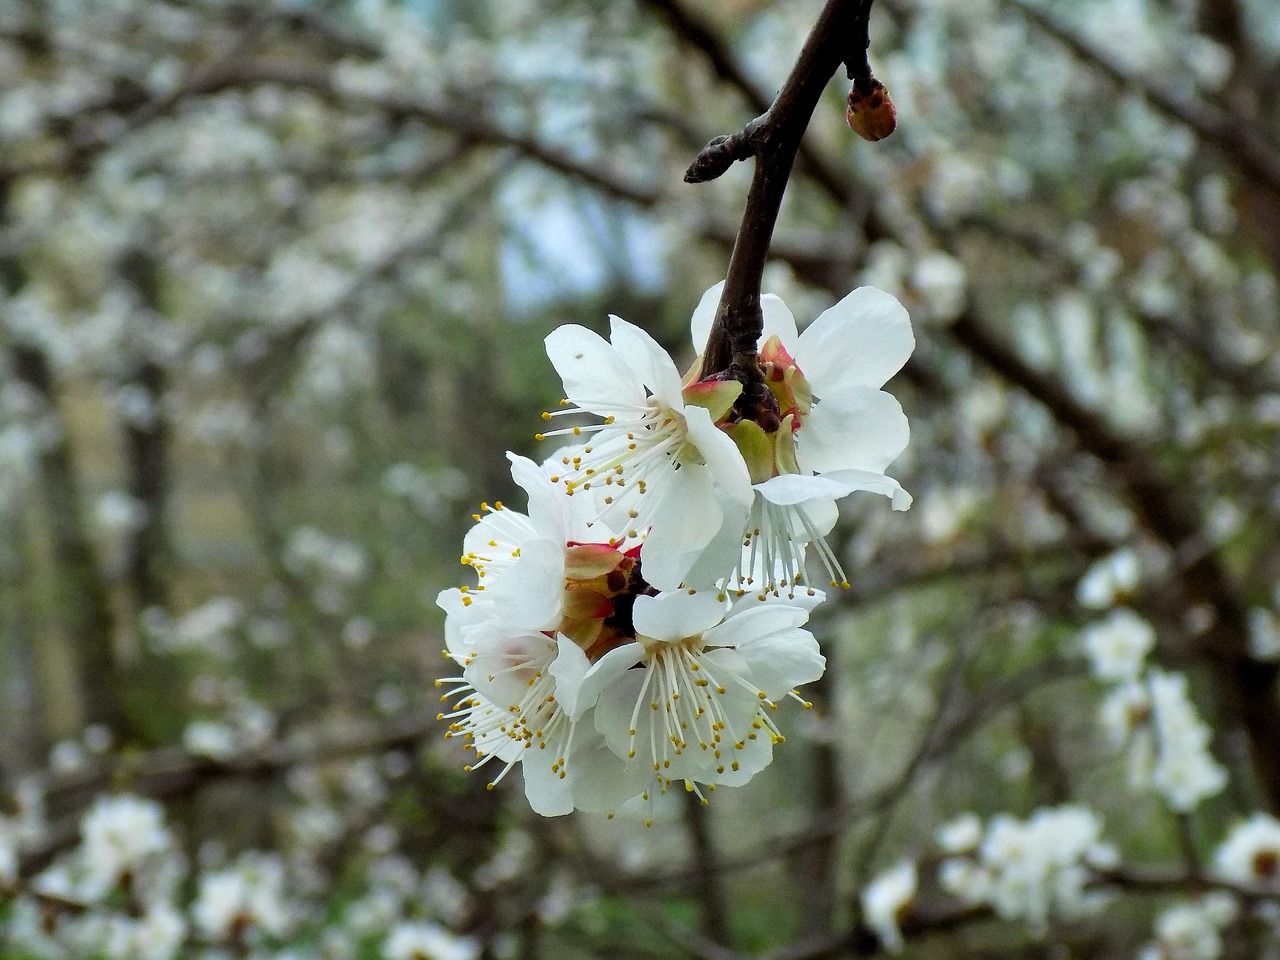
(1118,646)
(1250,855)
(423,940)
(1191,931)
(121,835)
(1109,579)
(157,935)
(1035,869)
(249,895)
(838,433)
(884,900)
(656,461)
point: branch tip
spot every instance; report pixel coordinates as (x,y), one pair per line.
(719,155)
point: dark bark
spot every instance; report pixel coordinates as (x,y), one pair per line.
(146,443)
(773,139)
(83,602)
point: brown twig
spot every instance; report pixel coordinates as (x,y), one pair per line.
(773,138)
(172,772)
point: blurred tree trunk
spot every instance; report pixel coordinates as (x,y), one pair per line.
(20,684)
(146,441)
(83,604)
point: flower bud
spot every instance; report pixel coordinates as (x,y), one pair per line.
(871,115)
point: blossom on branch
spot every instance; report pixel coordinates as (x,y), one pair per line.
(692,697)
(1035,869)
(656,462)
(838,432)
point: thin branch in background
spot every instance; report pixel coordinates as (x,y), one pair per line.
(1235,137)
(172,772)
(706,887)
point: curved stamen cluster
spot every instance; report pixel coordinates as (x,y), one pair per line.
(687,705)
(504,733)
(625,460)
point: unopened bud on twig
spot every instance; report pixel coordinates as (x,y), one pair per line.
(871,115)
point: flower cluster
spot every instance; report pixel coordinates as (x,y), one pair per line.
(1149,711)
(126,891)
(639,624)
(1191,931)
(1031,869)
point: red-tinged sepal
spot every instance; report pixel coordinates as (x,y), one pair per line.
(715,396)
(586,561)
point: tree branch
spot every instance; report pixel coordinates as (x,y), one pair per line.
(773,139)
(171,772)
(1247,687)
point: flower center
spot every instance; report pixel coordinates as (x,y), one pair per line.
(1266,863)
(601,584)
(771,451)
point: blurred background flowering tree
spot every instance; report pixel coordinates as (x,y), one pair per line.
(274,279)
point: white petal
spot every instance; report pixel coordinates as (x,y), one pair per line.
(745,622)
(875,483)
(592,371)
(722,554)
(864,339)
(604,672)
(458,616)
(569,668)
(722,455)
(493,671)
(778,319)
(646,357)
(822,516)
(792,488)
(545,510)
(782,660)
(858,428)
(507,528)
(802,598)
(613,713)
(602,781)
(704,317)
(754,756)
(688,518)
(528,594)
(548,794)
(677,614)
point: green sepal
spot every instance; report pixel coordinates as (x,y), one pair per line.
(756,447)
(785,446)
(716,396)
